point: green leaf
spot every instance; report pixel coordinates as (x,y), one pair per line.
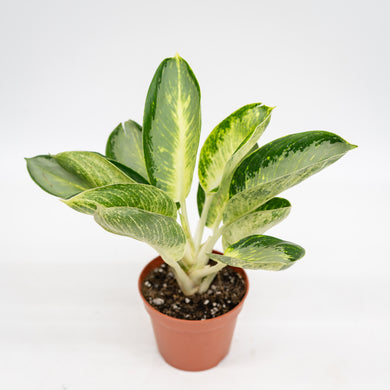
(125,146)
(69,173)
(200,199)
(92,167)
(280,165)
(246,147)
(48,174)
(257,222)
(201,195)
(254,148)
(261,252)
(225,140)
(171,128)
(159,231)
(129,172)
(141,196)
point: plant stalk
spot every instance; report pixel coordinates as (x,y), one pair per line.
(186,284)
(205,284)
(208,246)
(202,223)
(199,274)
(186,228)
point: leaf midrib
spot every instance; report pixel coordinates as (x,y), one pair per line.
(182,138)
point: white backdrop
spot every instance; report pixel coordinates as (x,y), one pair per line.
(70,71)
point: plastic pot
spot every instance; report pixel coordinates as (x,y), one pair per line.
(192,345)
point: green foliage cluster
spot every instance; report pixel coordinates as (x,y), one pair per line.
(139,187)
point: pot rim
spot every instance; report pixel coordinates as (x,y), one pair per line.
(221,317)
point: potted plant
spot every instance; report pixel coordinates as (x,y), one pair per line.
(139,189)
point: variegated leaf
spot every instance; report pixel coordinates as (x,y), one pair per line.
(280,165)
(257,222)
(159,231)
(125,146)
(201,195)
(260,252)
(221,196)
(141,196)
(171,128)
(226,138)
(69,173)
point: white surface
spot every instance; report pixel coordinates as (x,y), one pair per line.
(70,316)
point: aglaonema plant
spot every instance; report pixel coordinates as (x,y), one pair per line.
(139,188)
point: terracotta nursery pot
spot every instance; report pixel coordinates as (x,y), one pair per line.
(192,345)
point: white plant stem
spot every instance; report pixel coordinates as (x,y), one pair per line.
(186,284)
(187,231)
(202,222)
(196,275)
(205,284)
(208,246)
(199,274)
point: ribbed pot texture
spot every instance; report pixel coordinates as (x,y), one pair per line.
(192,345)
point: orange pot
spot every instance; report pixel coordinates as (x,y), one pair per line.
(192,345)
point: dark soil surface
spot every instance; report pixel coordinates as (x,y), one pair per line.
(161,290)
